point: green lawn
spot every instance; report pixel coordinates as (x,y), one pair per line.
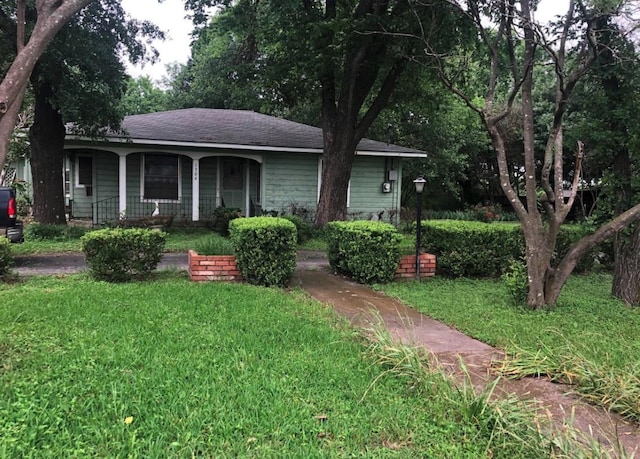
(178,240)
(170,368)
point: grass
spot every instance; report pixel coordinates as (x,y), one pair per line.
(214,244)
(589,338)
(178,240)
(169,368)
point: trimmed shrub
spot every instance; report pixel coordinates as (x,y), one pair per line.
(472,249)
(367,251)
(119,255)
(6,259)
(265,249)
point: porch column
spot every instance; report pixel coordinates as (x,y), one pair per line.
(195,187)
(122,186)
(218,182)
(247,189)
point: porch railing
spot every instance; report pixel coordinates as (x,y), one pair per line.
(107,210)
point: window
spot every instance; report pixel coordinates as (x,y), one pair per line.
(161,177)
(67,183)
(84,171)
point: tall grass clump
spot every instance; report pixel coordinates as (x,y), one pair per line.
(214,244)
(504,425)
(516,282)
(602,386)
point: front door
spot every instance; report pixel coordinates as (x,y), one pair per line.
(233,182)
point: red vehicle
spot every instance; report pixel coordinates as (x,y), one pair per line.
(10,226)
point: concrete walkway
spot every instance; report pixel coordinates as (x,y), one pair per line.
(450,348)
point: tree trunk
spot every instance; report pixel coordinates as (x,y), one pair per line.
(47,160)
(337,161)
(558,276)
(52,15)
(626,277)
(539,243)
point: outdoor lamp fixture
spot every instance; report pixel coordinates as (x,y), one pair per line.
(419,183)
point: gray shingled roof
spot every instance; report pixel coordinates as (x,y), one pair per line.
(235,127)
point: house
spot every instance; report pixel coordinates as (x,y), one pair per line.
(186,163)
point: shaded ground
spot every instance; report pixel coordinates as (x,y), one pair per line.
(450,348)
(69,263)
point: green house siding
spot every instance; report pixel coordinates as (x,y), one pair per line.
(367,198)
(282,182)
(290,179)
(85,201)
(105,166)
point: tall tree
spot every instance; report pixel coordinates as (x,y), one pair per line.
(141,96)
(426,116)
(51,16)
(352,54)
(548,195)
(605,120)
(80,78)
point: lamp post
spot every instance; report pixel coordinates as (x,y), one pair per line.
(419,184)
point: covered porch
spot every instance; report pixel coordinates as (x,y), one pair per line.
(128,185)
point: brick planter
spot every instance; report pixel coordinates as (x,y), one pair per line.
(213,267)
(407,267)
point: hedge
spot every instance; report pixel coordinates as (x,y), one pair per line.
(265,249)
(118,255)
(367,251)
(476,249)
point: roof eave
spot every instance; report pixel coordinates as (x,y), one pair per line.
(230,146)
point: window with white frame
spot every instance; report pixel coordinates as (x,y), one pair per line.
(320,184)
(160,177)
(66,177)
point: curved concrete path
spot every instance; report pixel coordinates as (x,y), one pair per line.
(452,350)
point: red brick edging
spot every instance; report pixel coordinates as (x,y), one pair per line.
(213,267)
(224,268)
(407,267)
